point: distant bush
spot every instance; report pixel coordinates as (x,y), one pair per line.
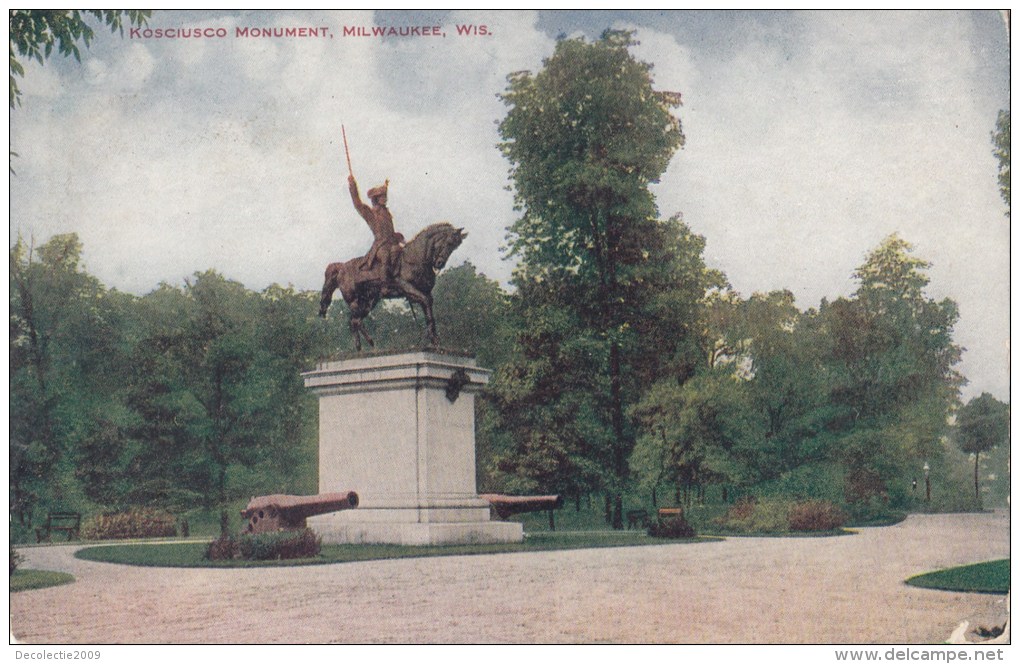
(223,548)
(672,528)
(866,510)
(132,524)
(741,510)
(16,559)
(815,516)
(782,516)
(752,516)
(283,545)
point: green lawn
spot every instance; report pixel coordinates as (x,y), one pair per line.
(990,577)
(34,579)
(191,554)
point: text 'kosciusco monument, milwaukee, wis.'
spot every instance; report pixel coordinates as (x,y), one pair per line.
(399,428)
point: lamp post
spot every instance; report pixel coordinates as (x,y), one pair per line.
(927,483)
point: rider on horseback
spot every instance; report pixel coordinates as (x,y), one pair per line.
(388,243)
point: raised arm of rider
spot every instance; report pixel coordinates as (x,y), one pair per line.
(363,209)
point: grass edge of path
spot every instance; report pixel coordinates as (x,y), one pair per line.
(989,577)
(190,554)
(37,579)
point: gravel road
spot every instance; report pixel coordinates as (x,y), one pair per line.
(846,590)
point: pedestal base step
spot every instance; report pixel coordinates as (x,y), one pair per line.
(334,531)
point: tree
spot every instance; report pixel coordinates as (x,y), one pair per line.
(981,425)
(543,408)
(288,339)
(64,355)
(471,314)
(35,32)
(891,358)
(212,401)
(699,433)
(787,382)
(754,410)
(1000,139)
(585,137)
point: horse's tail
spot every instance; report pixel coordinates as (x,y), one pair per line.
(329,287)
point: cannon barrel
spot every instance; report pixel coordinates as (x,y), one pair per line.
(506,506)
(284,512)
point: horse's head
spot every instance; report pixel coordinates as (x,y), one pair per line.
(445,238)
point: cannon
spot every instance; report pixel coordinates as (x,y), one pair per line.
(507,506)
(266,514)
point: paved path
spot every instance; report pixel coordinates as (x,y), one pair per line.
(743,590)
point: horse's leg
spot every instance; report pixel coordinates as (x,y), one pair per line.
(354,316)
(430,320)
(414,295)
(363,332)
(366,309)
(355,329)
(359,309)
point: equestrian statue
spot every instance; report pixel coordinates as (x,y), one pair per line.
(391,268)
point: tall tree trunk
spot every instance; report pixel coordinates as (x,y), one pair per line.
(977,490)
(619,445)
(224,523)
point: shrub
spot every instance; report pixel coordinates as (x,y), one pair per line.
(749,516)
(741,510)
(16,559)
(815,516)
(223,548)
(672,528)
(284,545)
(132,524)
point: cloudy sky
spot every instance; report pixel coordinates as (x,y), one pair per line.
(810,138)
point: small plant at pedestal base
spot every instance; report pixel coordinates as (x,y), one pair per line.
(672,528)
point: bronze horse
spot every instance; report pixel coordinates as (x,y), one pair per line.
(414,277)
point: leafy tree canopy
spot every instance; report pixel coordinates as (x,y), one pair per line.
(982,424)
(1000,139)
(585,138)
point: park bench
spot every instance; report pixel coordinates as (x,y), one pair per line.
(67,522)
(637,518)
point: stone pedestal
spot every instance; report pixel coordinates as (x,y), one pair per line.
(399,429)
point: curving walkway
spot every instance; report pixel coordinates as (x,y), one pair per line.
(743,590)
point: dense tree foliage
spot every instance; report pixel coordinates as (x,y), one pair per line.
(65,347)
(845,402)
(190,396)
(585,137)
(1000,139)
(893,358)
